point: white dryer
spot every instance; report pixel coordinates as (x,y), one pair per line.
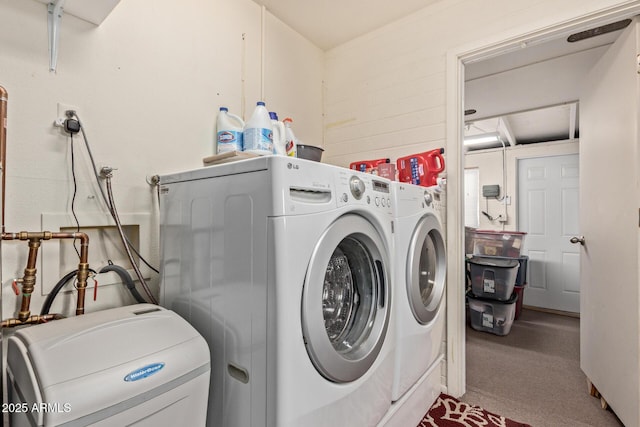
(283,265)
(419,284)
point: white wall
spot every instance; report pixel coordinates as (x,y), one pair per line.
(385,91)
(489,164)
(147,83)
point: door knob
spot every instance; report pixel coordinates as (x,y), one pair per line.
(577,239)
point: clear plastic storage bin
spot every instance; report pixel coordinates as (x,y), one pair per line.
(492,277)
(492,316)
(493,243)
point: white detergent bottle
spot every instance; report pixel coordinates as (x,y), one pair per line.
(290,139)
(229,129)
(278,135)
(258,132)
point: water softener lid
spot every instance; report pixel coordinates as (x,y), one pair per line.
(103,339)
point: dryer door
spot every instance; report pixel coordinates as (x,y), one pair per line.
(346,299)
(426,269)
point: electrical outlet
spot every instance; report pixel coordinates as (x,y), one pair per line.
(62,113)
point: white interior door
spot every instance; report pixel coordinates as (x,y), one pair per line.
(609,199)
(548,212)
(471,201)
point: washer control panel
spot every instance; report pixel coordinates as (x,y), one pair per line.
(363,189)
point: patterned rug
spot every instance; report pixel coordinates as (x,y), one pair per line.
(447,411)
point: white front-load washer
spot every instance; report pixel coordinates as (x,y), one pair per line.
(419,284)
(283,265)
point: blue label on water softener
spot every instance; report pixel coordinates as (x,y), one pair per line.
(260,139)
(144,372)
(229,140)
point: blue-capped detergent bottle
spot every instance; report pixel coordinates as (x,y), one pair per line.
(229,129)
(258,132)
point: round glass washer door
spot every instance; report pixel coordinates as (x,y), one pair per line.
(346,299)
(426,269)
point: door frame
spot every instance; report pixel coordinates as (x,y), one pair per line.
(550,28)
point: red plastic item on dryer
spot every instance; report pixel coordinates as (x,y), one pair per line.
(367,165)
(421,169)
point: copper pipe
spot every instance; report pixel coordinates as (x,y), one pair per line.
(29,279)
(83,270)
(32,320)
(4,98)
(83,266)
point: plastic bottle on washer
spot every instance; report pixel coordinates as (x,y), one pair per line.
(278,135)
(258,132)
(228,132)
(290,139)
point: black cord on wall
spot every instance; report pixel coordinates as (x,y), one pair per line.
(73,125)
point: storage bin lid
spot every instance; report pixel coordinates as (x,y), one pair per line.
(496,232)
(514,298)
(493,261)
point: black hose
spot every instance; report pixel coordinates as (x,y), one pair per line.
(126,279)
(56,289)
(114,214)
(124,275)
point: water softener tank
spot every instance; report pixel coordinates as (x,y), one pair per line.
(138,365)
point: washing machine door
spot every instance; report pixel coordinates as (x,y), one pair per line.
(346,299)
(426,269)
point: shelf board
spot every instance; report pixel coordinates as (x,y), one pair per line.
(94,11)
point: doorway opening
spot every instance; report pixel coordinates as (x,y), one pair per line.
(460,61)
(516,158)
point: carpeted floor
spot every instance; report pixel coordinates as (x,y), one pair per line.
(533,374)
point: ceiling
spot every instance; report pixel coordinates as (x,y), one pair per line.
(518,114)
(495,87)
(329,23)
(555,123)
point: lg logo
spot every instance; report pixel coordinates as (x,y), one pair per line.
(292,166)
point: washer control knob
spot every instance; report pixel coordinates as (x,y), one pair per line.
(377,201)
(428,198)
(356,185)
